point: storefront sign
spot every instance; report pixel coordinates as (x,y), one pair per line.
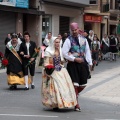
(15,3)
(92,18)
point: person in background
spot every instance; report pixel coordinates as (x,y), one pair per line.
(113,46)
(86,36)
(20,36)
(47,39)
(91,35)
(14,68)
(95,48)
(105,47)
(8,38)
(60,37)
(27,49)
(65,35)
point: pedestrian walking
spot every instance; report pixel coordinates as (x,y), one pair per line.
(27,49)
(105,47)
(57,88)
(76,51)
(14,68)
(95,48)
(113,46)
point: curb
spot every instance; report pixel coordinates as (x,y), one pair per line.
(2,70)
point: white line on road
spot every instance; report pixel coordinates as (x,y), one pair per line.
(19,115)
(106,119)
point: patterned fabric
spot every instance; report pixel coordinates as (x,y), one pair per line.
(94,46)
(58,91)
(57,63)
(76,49)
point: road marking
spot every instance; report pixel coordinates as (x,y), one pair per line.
(19,115)
(106,119)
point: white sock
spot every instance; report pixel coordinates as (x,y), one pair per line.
(26,81)
(32,81)
(113,56)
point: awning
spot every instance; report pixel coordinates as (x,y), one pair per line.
(21,10)
(66,3)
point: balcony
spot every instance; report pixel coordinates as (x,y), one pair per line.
(92,9)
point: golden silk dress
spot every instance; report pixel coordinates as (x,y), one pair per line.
(57,91)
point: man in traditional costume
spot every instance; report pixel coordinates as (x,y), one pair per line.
(14,67)
(76,50)
(27,49)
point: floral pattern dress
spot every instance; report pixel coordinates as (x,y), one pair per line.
(58,91)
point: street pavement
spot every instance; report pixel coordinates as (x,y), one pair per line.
(99,101)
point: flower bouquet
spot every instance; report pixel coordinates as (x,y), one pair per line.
(4,63)
(34,56)
(49,69)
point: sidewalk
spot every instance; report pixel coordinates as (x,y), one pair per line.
(2,70)
(104,86)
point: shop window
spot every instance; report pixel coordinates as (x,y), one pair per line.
(46,25)
(93,2)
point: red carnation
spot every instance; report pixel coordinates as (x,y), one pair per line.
(4,62)
(49,66)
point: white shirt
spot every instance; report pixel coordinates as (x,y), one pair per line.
(28,45)
(67,46)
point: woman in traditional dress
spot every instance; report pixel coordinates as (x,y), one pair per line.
(113,46)
(57,88)
(91,35)
(14,69)
(105,46)
(47,39)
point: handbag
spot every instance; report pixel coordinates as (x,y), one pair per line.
(49,69)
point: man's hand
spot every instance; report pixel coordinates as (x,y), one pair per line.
(22,53)
(91,67)
(27,56)
(32,59)
(79,60)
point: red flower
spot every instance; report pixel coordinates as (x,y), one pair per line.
(49,66)
(5,62)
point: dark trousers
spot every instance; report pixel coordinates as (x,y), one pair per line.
(30,68)
(95,56)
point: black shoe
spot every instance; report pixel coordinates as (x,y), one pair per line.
(97,64)
(56,109)
(26,88)
(32,86)
(15,86)
(11,87)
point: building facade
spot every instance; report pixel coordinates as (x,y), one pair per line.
(101,16)
(15,18)
(40,17)
(60,13)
